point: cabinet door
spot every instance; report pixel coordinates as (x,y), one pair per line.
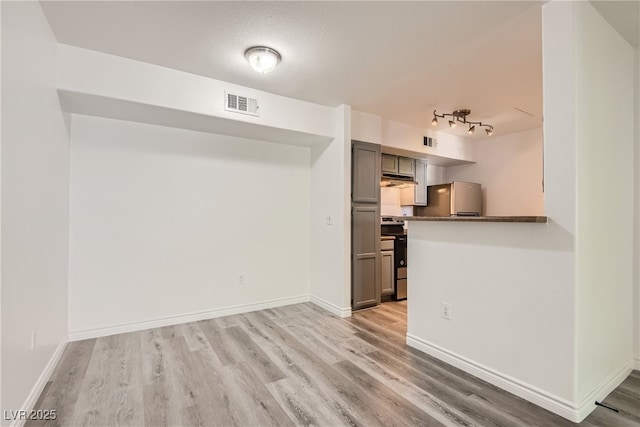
(365,173)
(390,164)
(420,197)
(365,252)
(406,166)
(387,279)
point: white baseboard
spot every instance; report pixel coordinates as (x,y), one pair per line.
(602,390)
(330,307)
(34,394)
(183,318)
(553,403)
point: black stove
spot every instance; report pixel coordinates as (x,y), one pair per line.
(396,229)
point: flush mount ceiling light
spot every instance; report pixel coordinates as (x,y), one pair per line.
(460,116)
(262,59)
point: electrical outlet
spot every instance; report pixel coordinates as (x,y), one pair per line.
(445,310)
(329,220)
(33,340)
(241,280)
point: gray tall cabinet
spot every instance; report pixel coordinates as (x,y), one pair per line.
(365,225)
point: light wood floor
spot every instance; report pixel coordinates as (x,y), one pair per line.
(295,365)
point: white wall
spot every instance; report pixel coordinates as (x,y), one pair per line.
(512,302)
(366,127)
(543,310)
(96,83)
(35,197)
(604,245)
(509,168)
(409,139)
(510,289)
(164,221)
(331,218)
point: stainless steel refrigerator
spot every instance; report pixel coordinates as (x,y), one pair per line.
(458,198)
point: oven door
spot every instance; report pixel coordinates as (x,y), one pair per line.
(400,251)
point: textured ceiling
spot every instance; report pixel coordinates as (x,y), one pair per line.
(624,16)
(396,59)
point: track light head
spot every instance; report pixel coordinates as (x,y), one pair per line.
(489,131)
(434,122)
(471,130)
(452,124)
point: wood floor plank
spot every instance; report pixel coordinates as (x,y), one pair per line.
(401,411)
(219,341)
(631,386)
(346,399)
(300,381)
(351,343)
(166,396)
(66,381)
(343,391)
(304,405)
(255,404)
(396,308)
(116,398)
(323,349)
(293,365)
(431,404)
(251,352)
(604,417)
(194,337)
(226,321)
(387,319)
(625,403)
(204,384)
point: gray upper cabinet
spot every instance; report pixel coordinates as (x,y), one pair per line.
(365,173)
(395,165)
(417,195)
(389,164)
(421,178)
(406,166)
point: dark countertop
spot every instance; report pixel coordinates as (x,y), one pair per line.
(534,219)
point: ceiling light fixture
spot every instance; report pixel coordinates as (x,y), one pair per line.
(262,59)
(461,116)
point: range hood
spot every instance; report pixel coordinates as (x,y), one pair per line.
(397,181)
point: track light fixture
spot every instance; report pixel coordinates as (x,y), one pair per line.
(461,116)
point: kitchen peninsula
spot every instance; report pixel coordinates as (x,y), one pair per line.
(534,219)
(474,282)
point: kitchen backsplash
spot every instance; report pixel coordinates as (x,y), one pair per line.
(390,201)
(390,196)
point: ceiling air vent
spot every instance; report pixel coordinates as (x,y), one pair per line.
(240,104)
